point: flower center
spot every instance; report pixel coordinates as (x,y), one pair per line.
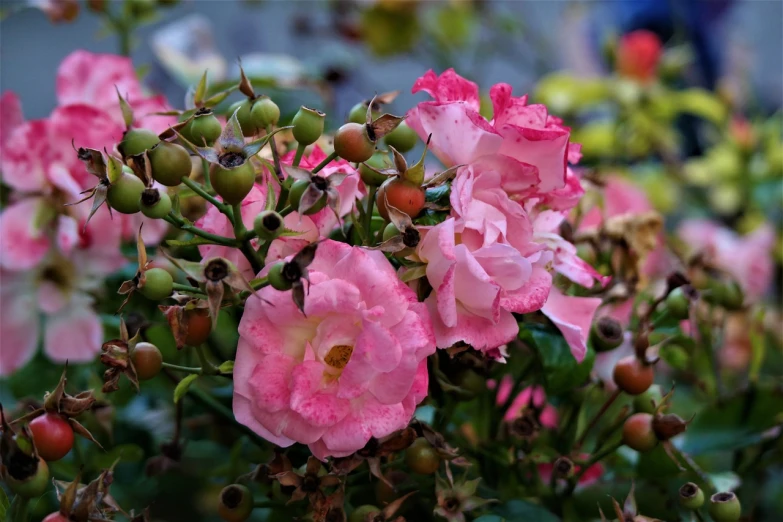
(339,356)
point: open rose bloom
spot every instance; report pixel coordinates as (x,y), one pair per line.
(352,367)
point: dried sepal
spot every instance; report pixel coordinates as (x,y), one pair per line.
(95,165)
(231,139)
(383,125)
(443,177)
(392,508)
(245,87)
(409,236)
(116,354)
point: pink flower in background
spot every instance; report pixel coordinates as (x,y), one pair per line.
(460,135)
(620,196)
(283,247)
(52,300)
(748,259)
(535,397)
(86,78)
(215,222)
(350,188)
(353,368)
(475,290)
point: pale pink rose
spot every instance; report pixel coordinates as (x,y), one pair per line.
(591,476)
(215,222)
(353,368)
(748,259)
(350,188)
(477,290)
(566,198)
(460,135)
(532,396)
(485,213)
(573,317)
(58,290)
(86,78)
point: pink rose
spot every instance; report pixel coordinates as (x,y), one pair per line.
(215,222)
(477,290)
(86,78)
(573,316)
(460,135)
(58,288)
(353,368)
(350,188)
(748,259)
(532,396)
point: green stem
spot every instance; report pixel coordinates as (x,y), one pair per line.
(188,288)
(327,160)
(205,168)
(597,417)
(198,189)
(286,210)
(275,154)
(368,216)
(299,153)
(699,516)
(17,511)
(213,404)
(207,368)
(183,225)
(240,232)
(572,483)
(186,369)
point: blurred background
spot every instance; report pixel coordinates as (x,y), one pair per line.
(359,48)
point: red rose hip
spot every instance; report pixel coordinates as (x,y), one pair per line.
(53,436)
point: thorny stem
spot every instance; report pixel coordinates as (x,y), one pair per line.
(327,160)
(240,232)
(597,417)
(368,216)
(186,369)
(299,153)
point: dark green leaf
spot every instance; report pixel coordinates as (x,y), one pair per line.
(522,510)
(560,370)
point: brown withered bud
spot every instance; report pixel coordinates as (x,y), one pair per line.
(264,473)
(18,456)
(116,354)
(676,280)
(373,451)
(219,273)
(668,425)
(189,321)
(437,441)
(87,503)
(563,467)
(526,426)
(309,485)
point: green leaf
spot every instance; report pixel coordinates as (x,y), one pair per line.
(414,273)
(201,90)
(738,423)
(124,452)
(183,386)
(702,103)
(226,367)
(522,510)
(560,370)
(431,218)
(438,195)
